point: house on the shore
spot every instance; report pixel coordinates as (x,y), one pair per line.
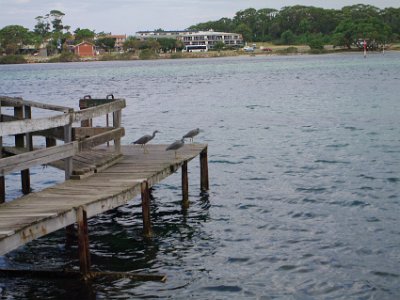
(119,41)
(85,49)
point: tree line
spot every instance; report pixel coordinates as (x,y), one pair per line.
(51,32)
(346,27)
(315,26)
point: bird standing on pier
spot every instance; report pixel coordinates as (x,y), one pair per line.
(191,134)
(144,140)
(176,145)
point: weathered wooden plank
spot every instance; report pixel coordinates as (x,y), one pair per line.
(17,102)
(37,157)
(30,125)
(55,133)
(100,110)
(55,207)
(85,132)
(29,233)
(89,102)
(99,139)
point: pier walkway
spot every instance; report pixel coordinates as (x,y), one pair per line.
(98,177)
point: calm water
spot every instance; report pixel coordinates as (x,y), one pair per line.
(304,163)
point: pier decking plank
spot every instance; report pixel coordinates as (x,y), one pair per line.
(40,213)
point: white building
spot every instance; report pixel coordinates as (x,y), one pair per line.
(191,39)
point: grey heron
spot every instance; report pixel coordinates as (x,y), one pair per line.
(191,134)
(145,139)
(175,146)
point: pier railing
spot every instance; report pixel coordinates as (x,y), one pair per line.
(23,127)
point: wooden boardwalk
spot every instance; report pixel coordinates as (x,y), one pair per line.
(98,177)
(73,201)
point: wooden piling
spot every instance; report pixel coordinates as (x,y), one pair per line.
(83,241)
(185,184)
(204,185)
(2,180)
(146,208)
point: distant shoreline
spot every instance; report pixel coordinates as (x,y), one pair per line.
(273,50)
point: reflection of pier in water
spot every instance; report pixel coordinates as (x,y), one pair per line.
(98,177)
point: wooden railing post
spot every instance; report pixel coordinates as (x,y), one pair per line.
(68,160)
(2,181)
(117,124)
(83,241)
(85,123)
(204,185)
(185,185)
(19,113)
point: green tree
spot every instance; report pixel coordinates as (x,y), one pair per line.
(152,44)
(132,44)
(167,44)
(264,21)
(315,42)
(218,46)
(247,17)
(106,43)
(84,34)
(245,31)
(391,17)
(288,37)
(13,37)
(42,27)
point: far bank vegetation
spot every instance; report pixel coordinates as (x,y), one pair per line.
(293,29)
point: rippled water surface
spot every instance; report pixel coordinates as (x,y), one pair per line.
(304,163)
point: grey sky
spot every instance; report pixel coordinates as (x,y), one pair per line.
(130,16)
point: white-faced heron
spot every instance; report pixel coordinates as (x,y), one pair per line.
(175,146)
(191,134)
(144,140)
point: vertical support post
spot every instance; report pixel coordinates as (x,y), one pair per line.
(68,160)
(146,208)
(28,136)
(2,181)
(19,113)
(117,124)
(185,184)
(83,105)
(83,241)
(204,185)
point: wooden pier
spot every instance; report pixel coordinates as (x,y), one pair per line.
(98,177)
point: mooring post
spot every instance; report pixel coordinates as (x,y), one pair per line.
(83,241)
(185,184)
(204,185)
(146,208)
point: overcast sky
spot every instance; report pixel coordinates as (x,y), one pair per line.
(130,16)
